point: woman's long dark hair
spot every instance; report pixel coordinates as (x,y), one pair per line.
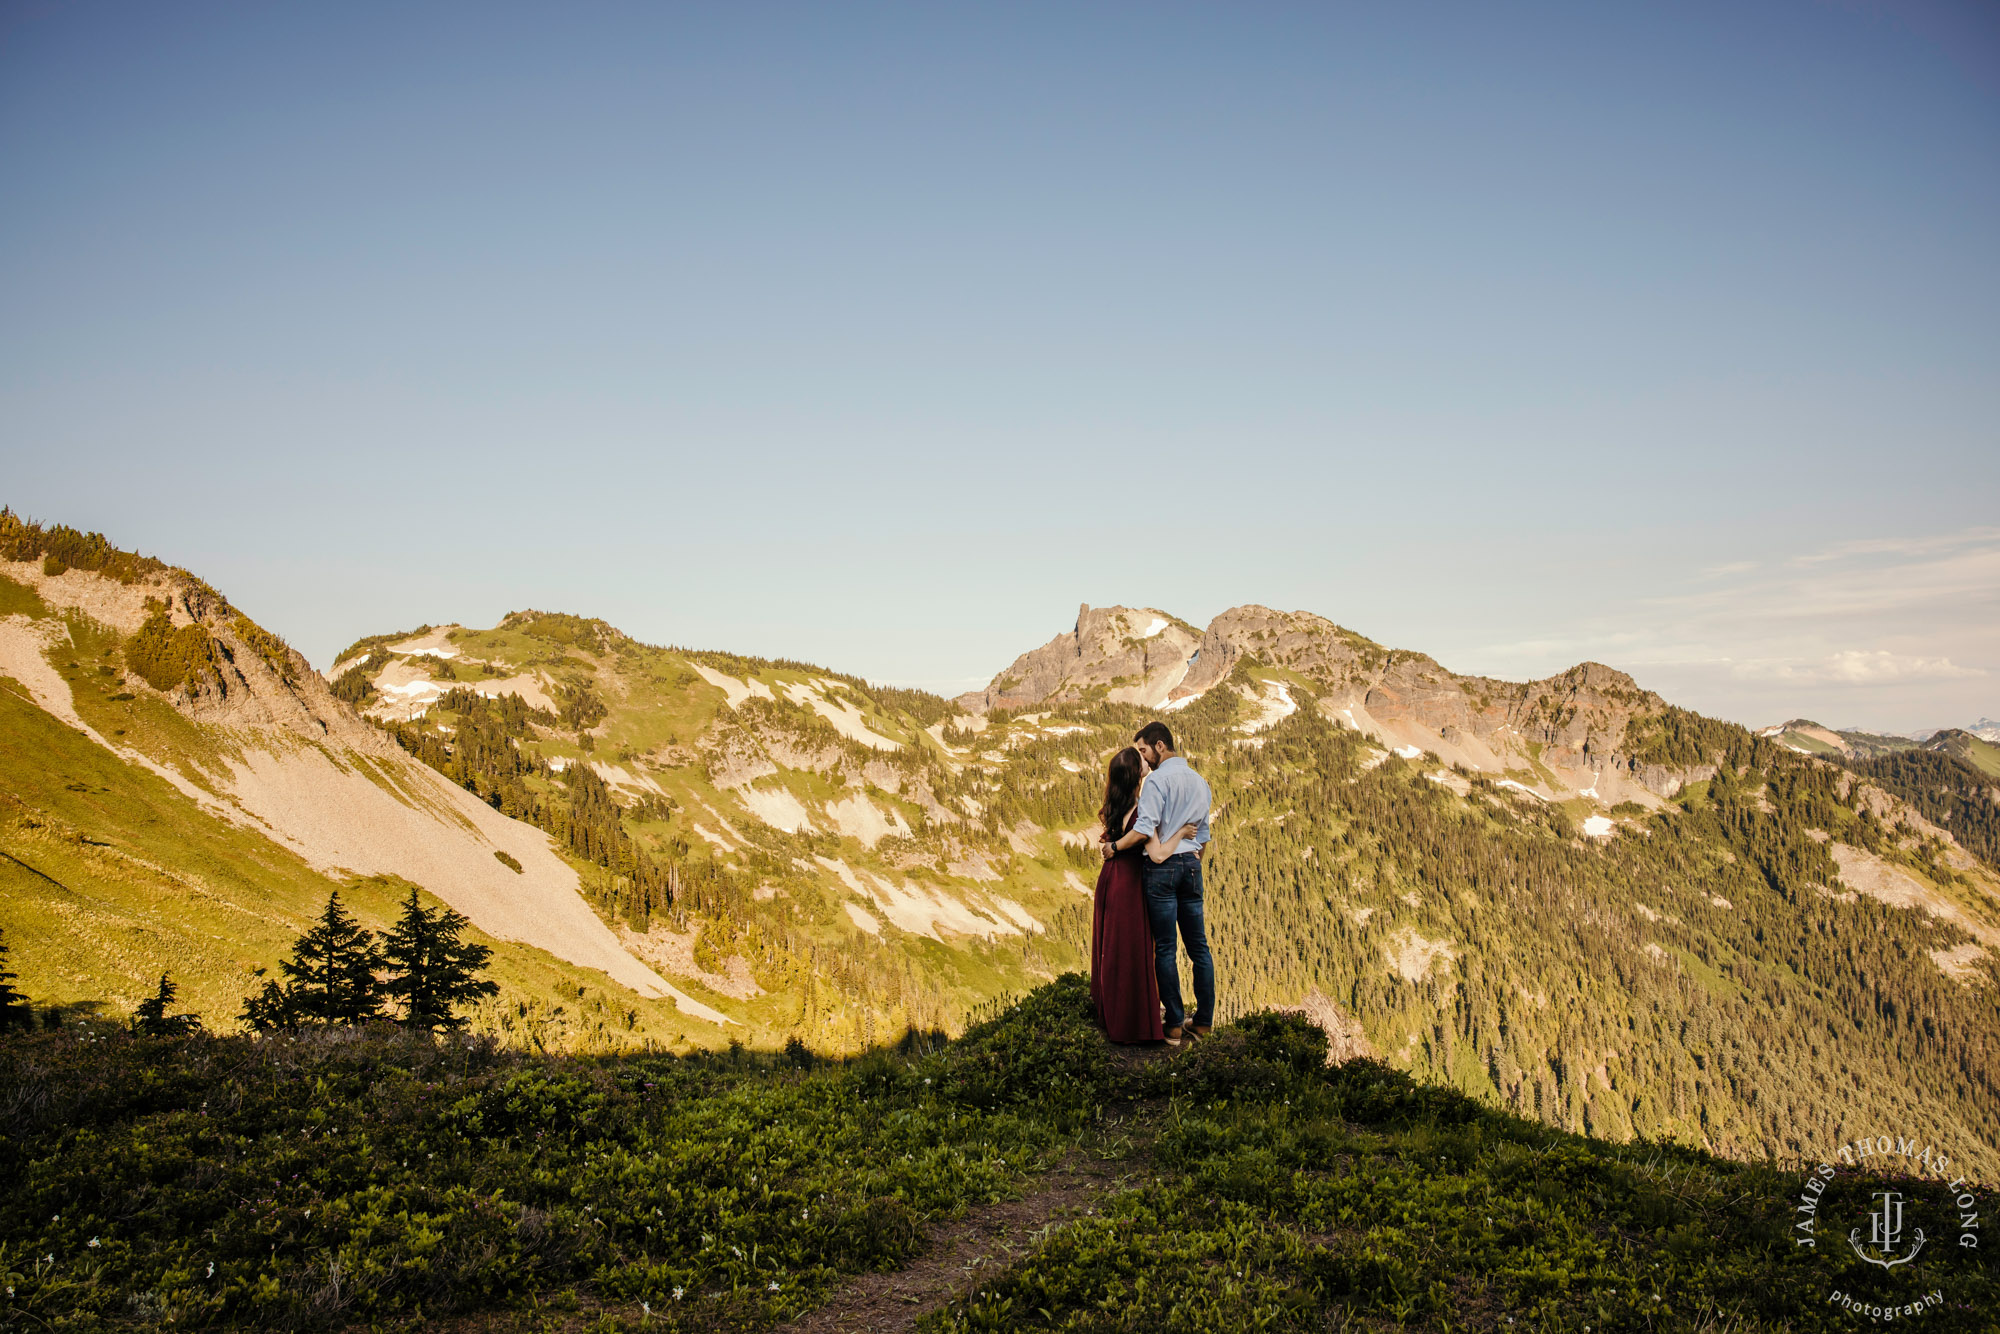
(1121,791)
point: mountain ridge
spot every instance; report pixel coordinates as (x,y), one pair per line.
(182,685)
(1563,735)
(1427,859)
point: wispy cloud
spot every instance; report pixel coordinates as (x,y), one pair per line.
(1857,579)
(1925,545)
(1904,627)
(1855,667)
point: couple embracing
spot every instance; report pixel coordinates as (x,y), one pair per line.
(1155,818)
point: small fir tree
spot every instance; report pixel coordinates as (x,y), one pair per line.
(153,1019)
(431,970)
(270,1008)
(330,978)
(15,1012)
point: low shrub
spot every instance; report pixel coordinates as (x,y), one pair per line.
(1045,1051)
(1373,1094)
(167,656)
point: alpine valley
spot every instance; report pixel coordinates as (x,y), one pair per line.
(1566,898)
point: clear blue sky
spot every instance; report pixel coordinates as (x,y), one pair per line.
(884,335)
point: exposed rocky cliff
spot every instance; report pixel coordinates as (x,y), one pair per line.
(1562,735)
(1133,655)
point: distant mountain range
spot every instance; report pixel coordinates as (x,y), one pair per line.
(1978,745)
(1565,896)
(1986,729)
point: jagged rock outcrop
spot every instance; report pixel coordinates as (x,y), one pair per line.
(1137,655)
(1564,732)
(1299,641)
(253,679)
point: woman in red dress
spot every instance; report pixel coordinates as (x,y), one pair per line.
(1122,981)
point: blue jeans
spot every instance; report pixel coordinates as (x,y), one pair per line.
(1173,896)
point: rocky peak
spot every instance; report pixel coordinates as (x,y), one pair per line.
(1565,731)
(1136,655)
(1298,641)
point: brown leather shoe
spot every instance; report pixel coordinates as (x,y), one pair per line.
(1197,1031)
(1175,1034)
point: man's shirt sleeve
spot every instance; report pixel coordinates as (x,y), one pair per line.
(1152,804)
(1201,830)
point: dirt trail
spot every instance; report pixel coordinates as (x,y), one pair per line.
(960,1253)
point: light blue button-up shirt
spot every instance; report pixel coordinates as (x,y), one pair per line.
(1174,794)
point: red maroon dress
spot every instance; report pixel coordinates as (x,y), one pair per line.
(1122,980)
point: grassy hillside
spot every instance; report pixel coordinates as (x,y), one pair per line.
(1978,752)
(153,816)
(109,875)
(1810,738)
(378,1179)
(801,835)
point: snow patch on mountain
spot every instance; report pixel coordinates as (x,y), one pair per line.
(1274,706)
(847,720)
(735,691)
(433,644)
(618,776)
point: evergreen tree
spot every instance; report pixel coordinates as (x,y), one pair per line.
(270,1008)
(14,1009)
(431,970)
(330,978)
(153,1019)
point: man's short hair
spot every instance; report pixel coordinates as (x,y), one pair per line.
(1155,733)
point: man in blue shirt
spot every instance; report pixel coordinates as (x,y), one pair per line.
(1175,795)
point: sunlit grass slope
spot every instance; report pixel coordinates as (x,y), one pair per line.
(111,876)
